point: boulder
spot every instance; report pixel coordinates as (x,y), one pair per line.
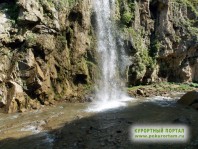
(15,97)
(190,99)
(34,104)
(140,92)
(30,11)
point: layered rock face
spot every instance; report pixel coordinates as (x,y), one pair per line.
(47,47)
(46,52)
(163,38)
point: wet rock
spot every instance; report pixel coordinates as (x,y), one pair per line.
(190,99)
(34,104)
(46,103)
(140,92)
(78,117)
(52,102)
(22,110)
(88,98)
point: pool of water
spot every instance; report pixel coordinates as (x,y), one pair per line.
(40,124)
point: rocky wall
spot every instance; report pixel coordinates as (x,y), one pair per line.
(47,47)
(162,39)
(46,52)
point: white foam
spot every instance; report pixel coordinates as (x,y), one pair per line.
(162,101)
(31,128)
(34,127)
(14,116)
(101,106)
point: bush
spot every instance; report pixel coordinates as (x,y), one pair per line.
(126,17)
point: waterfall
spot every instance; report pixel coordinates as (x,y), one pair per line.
(110,93)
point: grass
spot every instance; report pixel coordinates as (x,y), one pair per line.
(167,86)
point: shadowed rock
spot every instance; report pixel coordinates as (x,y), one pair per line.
(190,99)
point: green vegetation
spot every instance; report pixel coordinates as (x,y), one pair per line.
(155,47)
(167,86)
(61,43)
(127,11)
(190,22)
(126,17)
(191,4)
(31,39)
(144,60)
(144,57)
(193,30)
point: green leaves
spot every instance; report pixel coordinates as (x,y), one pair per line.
(126,17)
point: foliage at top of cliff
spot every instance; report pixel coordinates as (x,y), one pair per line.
(192,4)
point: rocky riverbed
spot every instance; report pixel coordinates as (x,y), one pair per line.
(49,62)
(68,125)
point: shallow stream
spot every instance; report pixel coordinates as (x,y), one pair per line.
(69,125)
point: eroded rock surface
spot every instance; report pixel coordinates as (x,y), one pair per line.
(45,52)
(162,40)
(48,47)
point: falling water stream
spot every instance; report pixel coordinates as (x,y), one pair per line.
(68,125)
(110,92)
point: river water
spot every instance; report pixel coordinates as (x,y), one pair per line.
(106,122)
(69,125)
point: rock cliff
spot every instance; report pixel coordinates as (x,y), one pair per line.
(162,39)
(47,47)
(46,52)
